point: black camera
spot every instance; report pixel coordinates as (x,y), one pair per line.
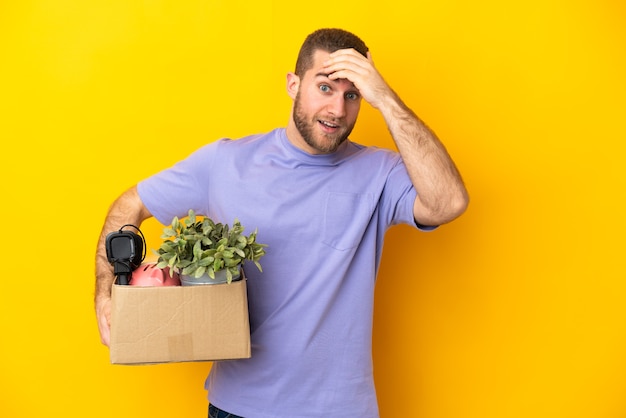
(125,251)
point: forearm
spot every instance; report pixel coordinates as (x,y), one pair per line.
(441,193)
(127,209)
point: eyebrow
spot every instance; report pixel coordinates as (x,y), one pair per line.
(326,75)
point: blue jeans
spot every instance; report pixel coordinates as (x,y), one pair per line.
(215,412)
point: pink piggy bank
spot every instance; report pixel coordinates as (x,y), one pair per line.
(148,274)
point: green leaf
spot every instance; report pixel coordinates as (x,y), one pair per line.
(167,256)
(185,263)
(210,252)
(172,261)
(197,249)
(168,232)
(233,262)
(205,262)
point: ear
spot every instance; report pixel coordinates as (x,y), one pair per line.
(293,84)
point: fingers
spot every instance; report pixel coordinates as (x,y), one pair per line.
(346,62)
(105,333)
(351,65)
(103,313)
(351,52)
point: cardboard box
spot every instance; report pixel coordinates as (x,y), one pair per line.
(179,323)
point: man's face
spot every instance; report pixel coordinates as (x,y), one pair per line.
(325,110)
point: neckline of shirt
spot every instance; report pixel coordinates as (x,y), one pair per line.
(315,159)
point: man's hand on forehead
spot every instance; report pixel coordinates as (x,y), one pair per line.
(360,70)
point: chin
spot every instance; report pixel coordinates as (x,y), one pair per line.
(328,146)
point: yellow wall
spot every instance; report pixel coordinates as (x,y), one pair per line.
(515,310)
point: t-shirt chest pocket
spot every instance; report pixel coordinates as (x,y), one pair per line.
(346,216)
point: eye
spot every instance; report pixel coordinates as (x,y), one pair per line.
(352,96)
(324,88)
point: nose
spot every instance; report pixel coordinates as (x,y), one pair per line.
(337,106)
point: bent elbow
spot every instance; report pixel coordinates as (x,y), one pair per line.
(446,211)
(458,206)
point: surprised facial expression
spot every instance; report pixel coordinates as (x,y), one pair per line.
(325,110)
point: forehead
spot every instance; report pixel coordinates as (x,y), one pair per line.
(317,69)
(317,62)
(319,56)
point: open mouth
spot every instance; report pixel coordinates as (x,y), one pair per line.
(328,126)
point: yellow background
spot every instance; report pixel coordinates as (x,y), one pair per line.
(515,310)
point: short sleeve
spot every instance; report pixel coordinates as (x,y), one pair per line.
(175,190)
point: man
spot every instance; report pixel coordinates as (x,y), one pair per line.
(322,204)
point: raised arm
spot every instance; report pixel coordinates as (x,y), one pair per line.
(441,194)
(127,209)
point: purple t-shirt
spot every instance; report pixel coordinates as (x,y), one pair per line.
(324,218)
